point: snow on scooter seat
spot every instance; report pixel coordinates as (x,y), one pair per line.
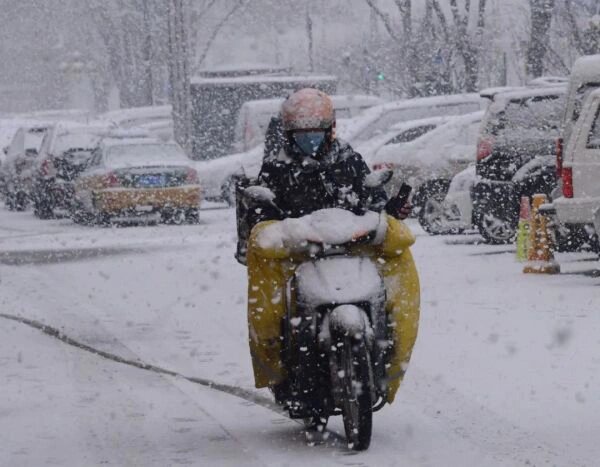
(327,226)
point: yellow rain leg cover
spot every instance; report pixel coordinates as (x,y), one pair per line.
(269,271)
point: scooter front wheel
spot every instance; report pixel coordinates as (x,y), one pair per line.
(357,407)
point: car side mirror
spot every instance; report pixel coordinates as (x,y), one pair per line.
(259,194)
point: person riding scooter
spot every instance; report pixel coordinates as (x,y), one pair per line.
(314,170)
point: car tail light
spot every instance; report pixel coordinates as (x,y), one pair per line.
(484,148)
(383,166)
(567,182)
(111,180)
(47,168)
(191,177)
(559,157)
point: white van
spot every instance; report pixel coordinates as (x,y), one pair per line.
(254,116)
(585,78)
(580,202)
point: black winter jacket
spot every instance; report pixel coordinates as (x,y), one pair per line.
(338,181)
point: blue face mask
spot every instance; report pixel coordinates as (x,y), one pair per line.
(309,142)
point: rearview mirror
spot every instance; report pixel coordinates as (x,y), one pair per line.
(259,194)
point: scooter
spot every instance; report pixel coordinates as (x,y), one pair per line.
(336,337)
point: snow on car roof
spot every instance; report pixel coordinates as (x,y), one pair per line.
(360,125)
(586,69)
(531,92)
(73,115)
(263,79)
(123,115)
(432,101)
(501,101)
(420,122)
(110,141)
(491,93)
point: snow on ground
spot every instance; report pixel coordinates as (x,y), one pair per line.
(505,370)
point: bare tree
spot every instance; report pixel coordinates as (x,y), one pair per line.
(179,78)
(541,19)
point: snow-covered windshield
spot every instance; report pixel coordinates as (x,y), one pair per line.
(533,116)
(594,136)
(72,141)
(580,96)
(144,154)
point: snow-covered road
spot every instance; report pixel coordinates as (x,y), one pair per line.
(505,370)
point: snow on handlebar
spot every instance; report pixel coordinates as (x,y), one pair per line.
(326,227)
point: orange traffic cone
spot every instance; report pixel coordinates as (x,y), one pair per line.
(523,229)
(540,258)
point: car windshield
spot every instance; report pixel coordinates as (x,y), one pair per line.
(594,136)
(73,141)
(580,97)
(144,154)
(411,134)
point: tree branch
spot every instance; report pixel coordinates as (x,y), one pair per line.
(385,18)
(240,4)
(481,14)
(573,25)
(441,18)
(405,9)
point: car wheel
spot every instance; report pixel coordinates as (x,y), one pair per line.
(192,216)
(433,188)
(568,239)
(42,210)
(433,216)
(496,229)
(81,216)
(21,201)
(10,201)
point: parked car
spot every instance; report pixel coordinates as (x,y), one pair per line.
(254,116)
(584,79)
(380,118)
(579,207)
(398,134)
(63,155)
(429,162)
(517,135)
(454,214)
(219,176)
(17,170)
(134,117)
(137,179)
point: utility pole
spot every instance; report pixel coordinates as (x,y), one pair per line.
(148,54)
(309,33)
(179,77)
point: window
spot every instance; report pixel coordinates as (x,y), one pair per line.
(532,115)
(580,96)
(412,134)
(96,159)
(593,141)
